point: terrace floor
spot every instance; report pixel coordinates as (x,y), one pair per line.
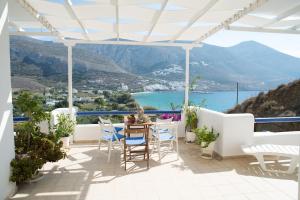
(85,174)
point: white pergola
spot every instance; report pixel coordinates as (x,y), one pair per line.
(174,23)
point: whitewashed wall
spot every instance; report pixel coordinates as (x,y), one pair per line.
(282,138)
(6,120)
(91,132)
(86,132)
(234,130)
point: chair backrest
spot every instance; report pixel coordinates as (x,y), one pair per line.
(166,127)
(107,128)
(164,120)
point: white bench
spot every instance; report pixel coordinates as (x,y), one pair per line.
(260,150)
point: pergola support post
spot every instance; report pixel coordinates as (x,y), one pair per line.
(187,75)
(70,78)
(7,145)
(299,177)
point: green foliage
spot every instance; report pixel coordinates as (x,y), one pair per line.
(23,168)
(191,118)
(32,147)
(194,83)
(65,126)
(204,136)
(106,94)
(173,106)
(149,108)
(31,107)
(61,104)
(100,101)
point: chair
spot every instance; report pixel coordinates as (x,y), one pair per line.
(110,134)
(260,150)
(136,143)
(165,131)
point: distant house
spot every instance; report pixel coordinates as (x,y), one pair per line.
(51,102)
(75,91)
(124,87)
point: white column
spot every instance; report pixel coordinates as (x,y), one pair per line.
(187,75)
(7,147)
(70,79)
(299,177)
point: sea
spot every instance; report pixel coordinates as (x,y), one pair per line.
(219,101)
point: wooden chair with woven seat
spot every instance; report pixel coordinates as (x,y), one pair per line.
(136,143)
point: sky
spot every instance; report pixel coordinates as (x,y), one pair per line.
(286,43)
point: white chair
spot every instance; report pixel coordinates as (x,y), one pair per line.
(164,131)
(260,150)
(110,134)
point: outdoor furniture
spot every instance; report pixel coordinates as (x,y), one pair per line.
(260,150)
(164,131)
(136,142)
(110,134)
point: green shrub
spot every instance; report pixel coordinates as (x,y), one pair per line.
(32,147)
(204,136)
(65,126)
(191,118)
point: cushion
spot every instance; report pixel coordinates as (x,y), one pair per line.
(135,140)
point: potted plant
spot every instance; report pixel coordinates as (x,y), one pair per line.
(64,129)
(131,119)
(191,121)
(33,148)
(206,139)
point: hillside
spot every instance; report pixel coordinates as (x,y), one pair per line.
(46,63)
(253,65)
(283,101)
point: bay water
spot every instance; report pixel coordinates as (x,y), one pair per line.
(218,101)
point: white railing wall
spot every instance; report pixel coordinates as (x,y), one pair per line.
(234,129)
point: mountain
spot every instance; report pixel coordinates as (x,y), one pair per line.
(249,63)
(253,65)
(284,101)
(45,62)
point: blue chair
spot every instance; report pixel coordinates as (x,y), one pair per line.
(110,134)
(164,131)
(136,143)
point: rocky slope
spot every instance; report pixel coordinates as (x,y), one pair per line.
(253,65)
(283,101)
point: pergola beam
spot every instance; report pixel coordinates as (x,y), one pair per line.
(194,19)
(25,33)
(283,16)
(156,19)
(295,27)
(226,23)
(134,43)
(262,30)
(40,18)
(13,24)
(68,5)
